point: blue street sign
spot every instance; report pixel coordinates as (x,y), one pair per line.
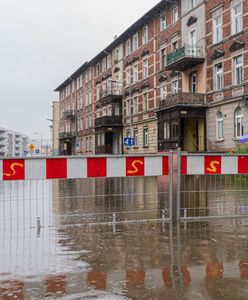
(131,141)
(128,141)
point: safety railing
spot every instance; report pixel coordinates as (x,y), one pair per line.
(212,186)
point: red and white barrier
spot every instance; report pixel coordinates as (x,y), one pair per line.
(214,164)
(83,167)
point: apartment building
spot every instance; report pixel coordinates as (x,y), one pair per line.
(12,144)
(177,77)
(227,73)
(144,75)
(182,111)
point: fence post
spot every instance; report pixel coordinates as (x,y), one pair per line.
(178,182)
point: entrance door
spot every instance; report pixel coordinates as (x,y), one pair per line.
(109,143)
(189,135)
(116,143)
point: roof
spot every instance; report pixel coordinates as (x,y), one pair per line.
(128,32)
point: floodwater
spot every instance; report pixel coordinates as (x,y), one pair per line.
(111,239)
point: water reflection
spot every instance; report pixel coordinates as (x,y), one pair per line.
(48,251)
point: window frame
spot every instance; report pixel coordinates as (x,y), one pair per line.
(166,132)
(162,22)
(219,126)
(234,18)
(218,77)
(175,17)
(238,70)
(239,122)
(146,137)
(135,42)
(128,47)
(135,73)
(217,28)
(145,35)
(145,68)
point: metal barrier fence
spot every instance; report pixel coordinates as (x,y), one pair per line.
(140,192)
(212,186)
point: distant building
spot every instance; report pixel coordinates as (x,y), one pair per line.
(12,143)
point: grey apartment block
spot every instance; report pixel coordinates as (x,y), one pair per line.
(12,144)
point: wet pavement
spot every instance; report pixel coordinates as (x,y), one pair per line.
(57,242)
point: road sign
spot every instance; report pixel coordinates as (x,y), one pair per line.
(128,141)
(31,147)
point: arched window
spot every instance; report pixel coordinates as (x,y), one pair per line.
(219,126)
(239,128)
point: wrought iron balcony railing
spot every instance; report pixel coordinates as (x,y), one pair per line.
(177,99)
(184,58)
(108,121)
(69,114)
(67,135)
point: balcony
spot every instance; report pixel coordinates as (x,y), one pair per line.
(70,114)
(113,93)
(67,135)
(183,99)
(185,58)
(108,121)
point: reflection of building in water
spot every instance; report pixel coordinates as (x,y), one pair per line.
(213,196)
(97,199)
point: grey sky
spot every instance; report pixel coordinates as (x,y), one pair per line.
(42,42)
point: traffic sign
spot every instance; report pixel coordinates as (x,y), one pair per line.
(128,141)
(31,147)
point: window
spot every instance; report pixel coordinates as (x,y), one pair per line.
(175,129)
(145,101)
(175,46)
(166,130)
(90,144)
(217,29)
(135,105)
(135,73)
(192,4)
(135,137)
(237,19)
(219,126)
(116,109)
(218,77)
(87,145)
(145,137)
(98,69)
(162,23)
(239,128)
(109,61)
(145,68)
(238,69)
(145,35)
(128,108)
(163,58)
(193,83)
(175,87)
(163,92)
(117,54)
(128,47)
(128,77)
(175,14)
(135,42)
(87,122)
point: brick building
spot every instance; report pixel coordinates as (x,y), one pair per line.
(227,73)
(174,78)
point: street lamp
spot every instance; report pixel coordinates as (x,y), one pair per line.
(40,141)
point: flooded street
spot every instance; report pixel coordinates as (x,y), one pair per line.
(110,239)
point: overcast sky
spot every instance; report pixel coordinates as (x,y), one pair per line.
(42,42)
